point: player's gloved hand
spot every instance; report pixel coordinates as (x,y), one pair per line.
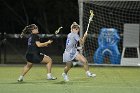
(85,34)
(79,48)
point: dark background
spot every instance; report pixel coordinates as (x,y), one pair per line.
(47,14)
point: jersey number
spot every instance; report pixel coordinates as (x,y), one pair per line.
(67,42)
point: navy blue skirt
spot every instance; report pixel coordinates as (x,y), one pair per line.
(34,58)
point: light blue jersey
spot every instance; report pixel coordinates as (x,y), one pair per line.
(71,47)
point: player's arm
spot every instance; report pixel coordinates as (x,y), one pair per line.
(82,40)
(39,44)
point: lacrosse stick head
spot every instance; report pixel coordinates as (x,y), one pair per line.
(58,30)
(91,15)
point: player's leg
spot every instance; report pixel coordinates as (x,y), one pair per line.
(66,69)
(48,61)
(26,68)
(82,59)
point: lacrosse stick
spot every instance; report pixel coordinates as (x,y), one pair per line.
(90,19)
(85,34)
(58,30)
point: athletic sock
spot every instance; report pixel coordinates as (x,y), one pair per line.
(21,76)
(49,75)
(88,73)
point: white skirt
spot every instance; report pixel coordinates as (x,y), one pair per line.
(69,56)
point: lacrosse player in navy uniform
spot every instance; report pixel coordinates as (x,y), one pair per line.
(33,54)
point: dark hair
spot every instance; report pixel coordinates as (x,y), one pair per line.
(28,29)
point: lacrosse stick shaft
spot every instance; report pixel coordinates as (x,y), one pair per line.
(88,26)
(90,19)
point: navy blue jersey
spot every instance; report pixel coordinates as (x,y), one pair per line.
(32,47)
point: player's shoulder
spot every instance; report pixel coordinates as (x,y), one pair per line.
(76,35)
(35,35)
(70,35)
(73,35)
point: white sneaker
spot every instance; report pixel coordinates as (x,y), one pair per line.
(20,79)
(65,76)
(52,78)
(91,74)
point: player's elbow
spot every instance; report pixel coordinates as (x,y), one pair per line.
(39,44)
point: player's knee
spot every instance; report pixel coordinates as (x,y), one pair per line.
(68,67)
(85,61)
(49,60)
(29,64)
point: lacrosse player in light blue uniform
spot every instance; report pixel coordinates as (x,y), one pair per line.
(71,52)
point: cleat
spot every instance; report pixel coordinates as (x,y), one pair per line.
(20,80)
(65,76)
(51,78)
(91,75)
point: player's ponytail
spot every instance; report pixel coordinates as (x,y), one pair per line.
(24,31)
(28,29)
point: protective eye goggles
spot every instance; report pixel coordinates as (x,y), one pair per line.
(75,27)
(35,27)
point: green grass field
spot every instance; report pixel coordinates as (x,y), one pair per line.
(108,80)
